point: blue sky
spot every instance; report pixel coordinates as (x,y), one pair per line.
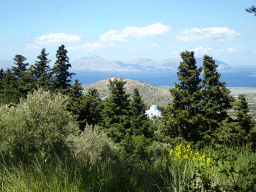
(120,30)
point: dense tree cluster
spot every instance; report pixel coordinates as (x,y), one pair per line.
(197,114)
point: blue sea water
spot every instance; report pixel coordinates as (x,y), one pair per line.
(241,79)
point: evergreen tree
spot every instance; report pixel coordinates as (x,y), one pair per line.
(60,69)
(9,92)
(2,73)
(23,75)
(240,131)
(140,124)
(243,118)
(21,66)
(41,71)
(75,96)
(87,108)
(183,118)
(216,99)
(92,106)
(115,114)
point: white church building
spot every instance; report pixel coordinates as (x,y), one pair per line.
(153,111)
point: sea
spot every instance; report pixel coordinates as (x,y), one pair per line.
(240,82)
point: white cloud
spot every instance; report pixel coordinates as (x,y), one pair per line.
(155,45)
(112,45)
(57,38)
(136,32)
(231,50)
(207,50)
(201,50)
(89,46)
(218,34)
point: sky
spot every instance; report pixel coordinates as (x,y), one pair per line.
(121,30)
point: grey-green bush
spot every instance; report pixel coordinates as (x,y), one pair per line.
(39,123)
(158,149)
(95,144)
(158,152)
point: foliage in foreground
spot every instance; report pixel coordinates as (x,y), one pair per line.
(182,169)
(40,123)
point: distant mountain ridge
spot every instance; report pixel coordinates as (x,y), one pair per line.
(96,63)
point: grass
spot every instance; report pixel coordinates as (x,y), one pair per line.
(229,169)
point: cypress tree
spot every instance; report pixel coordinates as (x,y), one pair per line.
(215,101)
(87,108)
(92,106)
(23,75)
(243,118)
(9,92)
(21,66)
(60,69)
(236,131)
(115,114)
(41,71)
(2,73)
(183,118)
(75,96)
(140,124)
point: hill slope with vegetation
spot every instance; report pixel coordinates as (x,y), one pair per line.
(151,94)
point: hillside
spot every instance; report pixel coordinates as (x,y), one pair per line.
(155,95)
(151,94)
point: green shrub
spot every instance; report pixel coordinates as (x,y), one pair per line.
(95,144)
(158,149)
(141,143)
(39,123)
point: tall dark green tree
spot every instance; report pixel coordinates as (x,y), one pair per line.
(9,92)
(238,134)
(75,100)
(140,124)
(60,69)
(21,66)
(87,108)
(23,75)
(115,114)
(41,71)
(92,107)
(183,118)
(2,74)
(216,99)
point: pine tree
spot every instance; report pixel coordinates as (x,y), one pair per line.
(140,124)
(21,66)
(75,96)
(41,71)
(9,92)
(243,118)
(87,108)
(23,75)
(183,118)
(115,114)
(60,69)
(216,99)
(240,131)
(2,74)
(92,107)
